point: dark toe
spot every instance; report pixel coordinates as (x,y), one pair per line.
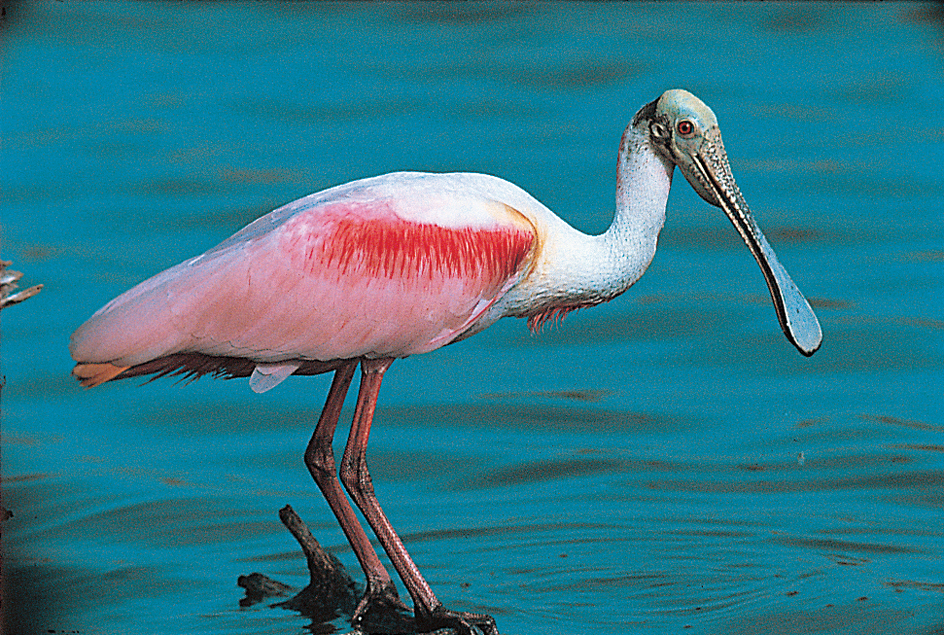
(462,622)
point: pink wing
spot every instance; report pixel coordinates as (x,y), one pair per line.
(353,276)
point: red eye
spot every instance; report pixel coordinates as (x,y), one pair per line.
(685,128)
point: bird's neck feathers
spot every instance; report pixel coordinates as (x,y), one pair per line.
(643,179)
(578,270)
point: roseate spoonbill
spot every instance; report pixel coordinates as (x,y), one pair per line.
(386,267)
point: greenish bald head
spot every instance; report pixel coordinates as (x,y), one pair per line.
(679,105)
(676,105)
(682,128)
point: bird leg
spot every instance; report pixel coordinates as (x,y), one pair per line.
(319,458)
(430,614)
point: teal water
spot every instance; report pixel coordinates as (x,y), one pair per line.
(665,463)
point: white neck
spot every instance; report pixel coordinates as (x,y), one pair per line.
(576,269)
(598,268)
(643,179)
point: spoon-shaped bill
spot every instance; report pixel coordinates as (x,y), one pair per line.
(796,317)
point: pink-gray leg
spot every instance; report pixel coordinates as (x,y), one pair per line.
(429,612)
(319,458)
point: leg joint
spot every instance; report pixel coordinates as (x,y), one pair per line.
(319,458)
(355,476)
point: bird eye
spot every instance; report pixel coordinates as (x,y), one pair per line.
(685,128)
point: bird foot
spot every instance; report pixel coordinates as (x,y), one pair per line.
(462,622)
(381,610)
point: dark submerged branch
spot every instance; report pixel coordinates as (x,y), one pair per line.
(331,592)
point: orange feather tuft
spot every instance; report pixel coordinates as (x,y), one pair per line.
(91,375)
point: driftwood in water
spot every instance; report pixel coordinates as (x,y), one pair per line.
(331,592)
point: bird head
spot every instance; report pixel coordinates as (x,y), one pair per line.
(685,131)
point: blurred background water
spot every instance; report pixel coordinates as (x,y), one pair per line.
(664,463)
